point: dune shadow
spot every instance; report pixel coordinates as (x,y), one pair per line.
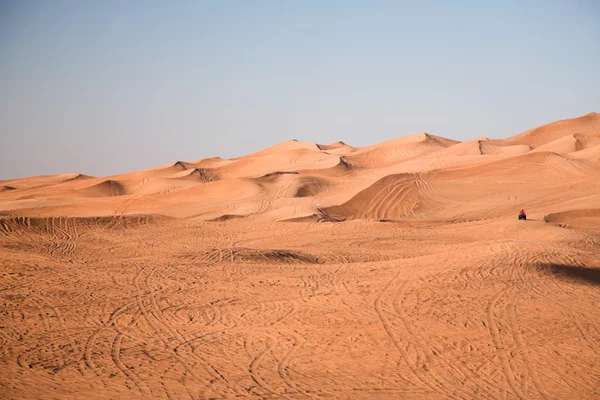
(575,273)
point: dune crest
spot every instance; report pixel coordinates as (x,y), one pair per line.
(199,174)
(377,182)
(588,124)
(5,188)
(103,189)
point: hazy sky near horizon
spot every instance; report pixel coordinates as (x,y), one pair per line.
(114,86)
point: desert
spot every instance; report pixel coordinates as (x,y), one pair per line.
(398,270)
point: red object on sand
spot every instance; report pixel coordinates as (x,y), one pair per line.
(522,211)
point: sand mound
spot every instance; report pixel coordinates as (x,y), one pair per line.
(182,165)
(479,147)
(262,256)
(398,150)
(565,144)
(489,148)
(197,174)
(587,141)
(292,184)
(106,188)
(212,163)
(588,124)
(43,181)
(581,219)
(279,173)
(169,169)
(290,145)
(178,169)
(393,197)
(517,167)
(341,168)
(334,146)
(591,153)
(227,217)
(207,200)
(6,188)
(75,177)
(132,186)
(422,138)
(282,160)
(338,148)
(312,187)
(469,148)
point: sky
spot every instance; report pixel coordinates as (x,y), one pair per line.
(109,87)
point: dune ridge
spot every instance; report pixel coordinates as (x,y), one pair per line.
(331,175)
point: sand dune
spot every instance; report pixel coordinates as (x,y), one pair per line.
(274,161)
(582,218)
(330,175)
(588,124)
(565,144)
(310,271)
(398,150)
(104,189)
(391,198)
(591,153)
(42,181)
(211,162)
(337,148)
(288,146)
(479,147)
(197,174)
(5,188)
(292,184)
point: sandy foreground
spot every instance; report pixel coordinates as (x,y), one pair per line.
(397,270)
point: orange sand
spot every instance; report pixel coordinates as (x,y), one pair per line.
(303,271)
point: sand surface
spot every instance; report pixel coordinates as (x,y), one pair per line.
(309,271)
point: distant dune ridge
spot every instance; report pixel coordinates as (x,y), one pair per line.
(422,175)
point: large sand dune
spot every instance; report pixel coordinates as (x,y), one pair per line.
(312,271)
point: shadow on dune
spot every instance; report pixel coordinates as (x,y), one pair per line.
(575,273)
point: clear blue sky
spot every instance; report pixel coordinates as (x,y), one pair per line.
(113,86)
